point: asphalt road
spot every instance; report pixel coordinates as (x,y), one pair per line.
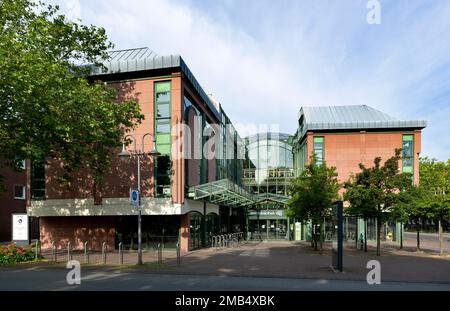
(54,279)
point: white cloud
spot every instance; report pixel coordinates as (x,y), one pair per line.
(264,61)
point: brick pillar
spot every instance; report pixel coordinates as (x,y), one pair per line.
(185,233)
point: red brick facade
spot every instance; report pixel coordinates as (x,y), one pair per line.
(92,229)
(347,149)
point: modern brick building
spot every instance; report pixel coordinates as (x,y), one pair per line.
(345,136)
(188,196)
(173,210)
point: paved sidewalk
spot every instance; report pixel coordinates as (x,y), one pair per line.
(283,260)
(298,260)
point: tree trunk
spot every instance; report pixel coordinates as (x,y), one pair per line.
(401,235)
(365,235)
(418,237)
(441,251)
(315,238)
(356,233)
(96,189)
(378,236)
(322,229)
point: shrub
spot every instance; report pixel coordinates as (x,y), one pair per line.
(12,253)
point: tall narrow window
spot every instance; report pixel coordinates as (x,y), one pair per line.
(163,139)
(163,176)
(38,180)
(319,149)
(163,116)
(408,154)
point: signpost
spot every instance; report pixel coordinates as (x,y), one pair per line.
(20,229)
(134,197)
(338,236)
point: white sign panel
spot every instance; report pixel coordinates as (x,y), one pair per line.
(134,197)
(20,227)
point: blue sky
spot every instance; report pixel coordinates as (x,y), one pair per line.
(263,60)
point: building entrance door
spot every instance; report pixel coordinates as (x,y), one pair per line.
(276,229)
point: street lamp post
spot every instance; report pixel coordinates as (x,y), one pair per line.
(124,154)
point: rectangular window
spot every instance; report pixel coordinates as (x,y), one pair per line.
(19,164)
(38,181)
(163,116)
(19,192)
(163,127)
(163,110)
(318,148)
(408,154)
(163,177)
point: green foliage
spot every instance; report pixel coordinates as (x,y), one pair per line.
(428,200)
(11,254)
(435,187)
(48,107)
(375,191)
(313,193)
(412,205)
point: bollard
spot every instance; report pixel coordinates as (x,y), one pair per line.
(69,251)
(86,255)
(104,253)
(159,254)
(120,253)
(36,255)
(178,255)
(53,252)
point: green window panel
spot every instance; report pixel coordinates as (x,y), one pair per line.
(161,87)
(408,154)
(318,147)
(162,117)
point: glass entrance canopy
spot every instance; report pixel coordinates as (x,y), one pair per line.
(223,192)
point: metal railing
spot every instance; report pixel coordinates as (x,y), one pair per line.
(64,252)
(227,240)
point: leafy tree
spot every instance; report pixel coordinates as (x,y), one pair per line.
(412,204)
(361,202)
(435,181)
(313,193)
(375,190)
(48,108)
(435,191)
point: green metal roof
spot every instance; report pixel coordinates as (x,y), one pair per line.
(350,117)
(144,59)
(223,192)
